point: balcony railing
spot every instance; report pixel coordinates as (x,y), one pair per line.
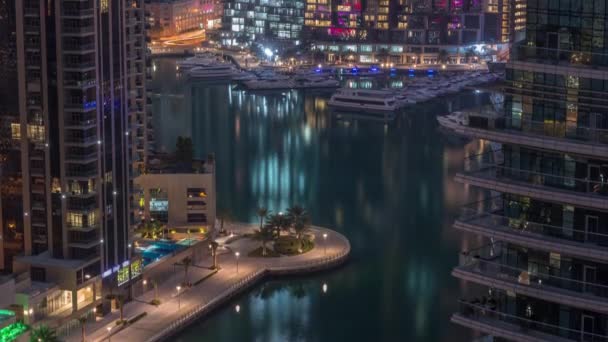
(559,130)
(567,58)
(490,213)
(488,261)
(478,165)
(491,315)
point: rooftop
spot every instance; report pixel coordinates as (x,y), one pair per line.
(45,260)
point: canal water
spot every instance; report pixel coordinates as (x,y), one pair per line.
(387,186)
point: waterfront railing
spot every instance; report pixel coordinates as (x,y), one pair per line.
(489,314)
(490,261)
(490,213)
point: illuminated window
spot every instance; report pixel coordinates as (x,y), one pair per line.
(15,131)
(35,132)
(92,218)
(104,6)
(74,219)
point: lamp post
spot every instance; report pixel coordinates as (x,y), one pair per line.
(109,328)
(236,254)
(324,243)
(178,298)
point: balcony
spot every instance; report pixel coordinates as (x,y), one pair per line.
(558,57)
(78,12)
(487,218)
(81,141)
(79,84)
(79,48)
(487,266)
(544,186)
(84,228)
(81,158)
(84,30)
(490,320)
(76,105)
(555,136)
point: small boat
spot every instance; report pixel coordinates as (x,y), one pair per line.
(453,120)
(372,101)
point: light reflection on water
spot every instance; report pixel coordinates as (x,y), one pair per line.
(388,187)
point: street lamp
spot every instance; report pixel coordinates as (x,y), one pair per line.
(109,333)
(236,254)
(324,243)
(178,299)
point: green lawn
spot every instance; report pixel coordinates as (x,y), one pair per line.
(290,245)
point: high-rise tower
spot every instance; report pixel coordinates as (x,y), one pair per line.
(546,215)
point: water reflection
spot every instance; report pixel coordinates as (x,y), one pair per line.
(387,186)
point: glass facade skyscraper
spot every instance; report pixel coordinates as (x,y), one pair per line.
(546,179)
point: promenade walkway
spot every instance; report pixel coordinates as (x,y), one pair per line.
(174,313)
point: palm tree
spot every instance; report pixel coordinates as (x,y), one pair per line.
(186,262)
(264,234)
(470,53)
(150,229)
(262,213)
(278,223)
(299,218)
(214,245)
(383,55)
(184,150)
(223,215)
(318,56)
(442,56)
(121,304)
(43,334)
(82,320)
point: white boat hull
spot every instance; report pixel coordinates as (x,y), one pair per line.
(370,108)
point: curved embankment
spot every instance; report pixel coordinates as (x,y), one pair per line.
(326,255)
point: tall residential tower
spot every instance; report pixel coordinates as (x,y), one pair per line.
(80,122)
(546,215)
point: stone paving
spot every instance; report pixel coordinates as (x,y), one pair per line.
(173,309)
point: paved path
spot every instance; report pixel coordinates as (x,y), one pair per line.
(218,287)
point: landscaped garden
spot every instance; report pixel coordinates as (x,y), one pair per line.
(283,233)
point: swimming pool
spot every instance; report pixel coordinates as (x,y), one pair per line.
(161,248)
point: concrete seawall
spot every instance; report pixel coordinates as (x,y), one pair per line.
(253,279)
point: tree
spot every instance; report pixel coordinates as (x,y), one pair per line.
(82,320)
(184,151)
(262,213)
(214,245)
(442,56)
(43,334)
(278,223)
(150,229)
(318,56)
(470,53)
(383,55)
(223,215)
(264,235)
(299,218)
(186,262)
(120,298)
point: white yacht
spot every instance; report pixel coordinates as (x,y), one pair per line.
(373,101)
(213,71)
(195,61)
(316,82)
